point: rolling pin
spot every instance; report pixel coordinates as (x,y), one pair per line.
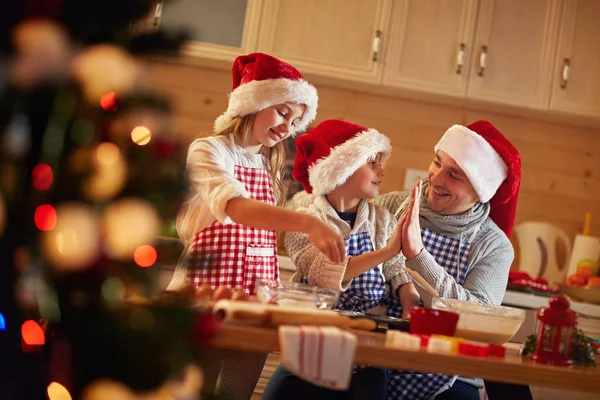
(275,315)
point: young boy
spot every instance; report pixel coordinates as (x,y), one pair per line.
(341,164)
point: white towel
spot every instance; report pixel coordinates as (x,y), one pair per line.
(323,356)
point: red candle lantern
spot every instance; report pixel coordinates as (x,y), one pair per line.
(555,333)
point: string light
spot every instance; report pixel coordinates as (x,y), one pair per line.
(108,101)
(42,176)
(141,135)
(145,256)
(45,217)
(56,391)
(32,333)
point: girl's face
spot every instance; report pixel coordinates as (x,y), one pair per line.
(276,123)
(364,182)
(450,191)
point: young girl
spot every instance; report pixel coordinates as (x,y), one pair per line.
(229,225)
(341,164)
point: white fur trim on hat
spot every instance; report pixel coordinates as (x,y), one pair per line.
(477,158)
(332,171)
(255,96)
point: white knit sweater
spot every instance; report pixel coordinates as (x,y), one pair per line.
(314,265)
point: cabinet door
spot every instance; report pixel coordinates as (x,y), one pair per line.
(429,45)
(576,83)
(220,29)
(515,44)
(337,38)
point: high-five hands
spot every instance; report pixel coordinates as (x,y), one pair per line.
(412,244)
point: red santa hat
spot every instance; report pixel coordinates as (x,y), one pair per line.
(492,164)
(329,154)
(261,81)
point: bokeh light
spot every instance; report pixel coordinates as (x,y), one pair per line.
(43,52)
(2,215)
(129,223)
(45,217)
(108,153)
(2,322)
(145,256)
(75,241)
(141,135)
(105,68)
(17,137)
(56,391)
(32,333)
(83,131)
(113,290)
(108,389)
(108,102)
(110,173)
(41,177)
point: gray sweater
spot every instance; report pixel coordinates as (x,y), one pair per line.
(490,254)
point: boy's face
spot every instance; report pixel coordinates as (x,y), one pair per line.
(365,181)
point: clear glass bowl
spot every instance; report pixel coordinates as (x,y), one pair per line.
(482,322)
(296,294)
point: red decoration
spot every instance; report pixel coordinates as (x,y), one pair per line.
(428,321)
(555,333)
(473,350)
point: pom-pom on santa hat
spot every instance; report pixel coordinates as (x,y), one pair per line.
(492,164)
(329,154)
(261,81)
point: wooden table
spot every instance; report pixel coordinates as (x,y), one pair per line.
(371,350)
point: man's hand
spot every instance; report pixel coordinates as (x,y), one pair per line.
(412,244)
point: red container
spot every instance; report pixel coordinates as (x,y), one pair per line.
(428,321)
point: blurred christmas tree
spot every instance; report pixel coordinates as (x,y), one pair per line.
(90,172)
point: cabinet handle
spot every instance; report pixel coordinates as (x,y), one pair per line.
(460,58)
(158,13)
(376,42)
(565,73)
(482,60)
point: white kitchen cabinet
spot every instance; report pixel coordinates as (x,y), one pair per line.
(576,81)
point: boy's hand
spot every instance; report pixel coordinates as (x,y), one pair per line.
(412,243)
(394,245)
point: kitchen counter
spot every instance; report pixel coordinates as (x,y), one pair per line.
(371,350)
(533,302)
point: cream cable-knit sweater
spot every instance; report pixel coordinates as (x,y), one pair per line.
(312,264)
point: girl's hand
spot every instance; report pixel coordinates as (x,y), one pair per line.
(328,241)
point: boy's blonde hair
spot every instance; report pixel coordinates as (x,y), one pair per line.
(241,128)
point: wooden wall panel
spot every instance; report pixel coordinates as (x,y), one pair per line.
(561,162)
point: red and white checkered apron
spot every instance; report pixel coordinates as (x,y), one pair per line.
(236,255)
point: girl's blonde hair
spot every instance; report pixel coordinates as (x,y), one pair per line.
(241,128)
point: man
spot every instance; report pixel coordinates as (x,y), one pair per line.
(456,234)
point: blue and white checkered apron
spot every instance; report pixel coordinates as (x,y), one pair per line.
(368,289)
(451,254)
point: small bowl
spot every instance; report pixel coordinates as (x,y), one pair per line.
(427,321)
(584,294)
(296,294)
(483,322)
